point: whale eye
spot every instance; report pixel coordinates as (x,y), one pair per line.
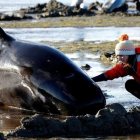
(70,75)
(65,72)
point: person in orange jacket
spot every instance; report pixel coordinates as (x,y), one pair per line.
(129,58)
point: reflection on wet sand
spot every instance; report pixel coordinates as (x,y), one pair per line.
(7,124)
(10,117)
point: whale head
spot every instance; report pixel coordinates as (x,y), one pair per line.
(46,79)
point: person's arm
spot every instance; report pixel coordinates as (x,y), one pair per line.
(116,72)
(99,78)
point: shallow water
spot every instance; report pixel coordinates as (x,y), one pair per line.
(69,34)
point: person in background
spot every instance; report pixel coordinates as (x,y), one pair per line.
(129,64)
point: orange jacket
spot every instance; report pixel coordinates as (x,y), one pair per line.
(121,71)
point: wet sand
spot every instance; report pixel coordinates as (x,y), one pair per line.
(10,117)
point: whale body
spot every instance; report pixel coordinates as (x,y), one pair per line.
(114,5)
(38,77)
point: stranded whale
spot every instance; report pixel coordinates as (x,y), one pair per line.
(38,77)
(115,5)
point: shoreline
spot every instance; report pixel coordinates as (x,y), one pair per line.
(91,21)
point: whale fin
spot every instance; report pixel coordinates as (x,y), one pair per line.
(4,35)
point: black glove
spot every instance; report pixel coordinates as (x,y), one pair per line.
(99,78)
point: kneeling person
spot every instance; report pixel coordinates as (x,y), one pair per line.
(129,58)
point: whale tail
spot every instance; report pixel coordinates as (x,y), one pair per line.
(4,35)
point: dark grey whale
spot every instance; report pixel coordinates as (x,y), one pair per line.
(37,77)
